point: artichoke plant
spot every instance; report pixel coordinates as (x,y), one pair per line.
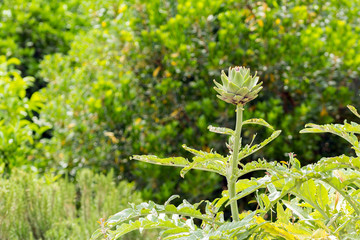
(239,87)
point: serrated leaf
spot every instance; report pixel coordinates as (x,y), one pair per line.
(123,216)
(275,231)
(337,129)
(247,150)
(245,234)
(296,230)
(351,128)
(219,202)
(335,183)
(170,199)
(260,183)
(234,226)
(243,184)
(221,130)
(97,234)
(149,215)
(320,234)
(274,194)
(312,128)
(260,165)
(174,233)
(258,121)
(147,223)
(281,213)
(322,196)
(353,110)
(205,161)
(171,161)
(307,191)
(265,199)
(298,211)
(332,163)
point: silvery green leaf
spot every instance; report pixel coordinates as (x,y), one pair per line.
(249,188)
(258,121)
(260,165)
(353,110)
(247,150)
(176,220)
(212,162)
(97,234)
(344,131)
(170,199)
(170,161)
(221,130)
(298,211)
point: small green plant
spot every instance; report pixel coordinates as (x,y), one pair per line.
(238,88)
(317,201)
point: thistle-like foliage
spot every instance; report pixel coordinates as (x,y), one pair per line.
(318,201)
(239,87)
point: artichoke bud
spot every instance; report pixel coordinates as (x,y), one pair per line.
(238,87)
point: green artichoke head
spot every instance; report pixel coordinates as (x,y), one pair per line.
(238,87)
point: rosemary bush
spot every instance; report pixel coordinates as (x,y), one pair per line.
(317,201)
(50,207)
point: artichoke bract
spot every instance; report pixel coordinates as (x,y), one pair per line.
(239,87)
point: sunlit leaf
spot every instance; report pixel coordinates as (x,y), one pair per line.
(248,150)
(205,161)
(221,130)
(353,110)
(171,161)
(258,121)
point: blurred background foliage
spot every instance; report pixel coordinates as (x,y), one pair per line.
(32,29)
(20,128)
(116,78)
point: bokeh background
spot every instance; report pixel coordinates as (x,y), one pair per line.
(85,84)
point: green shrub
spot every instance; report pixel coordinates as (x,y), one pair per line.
(20,130)
(95,105)
(31,29)
(49,207)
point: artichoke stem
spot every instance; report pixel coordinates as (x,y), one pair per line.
(231,178)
